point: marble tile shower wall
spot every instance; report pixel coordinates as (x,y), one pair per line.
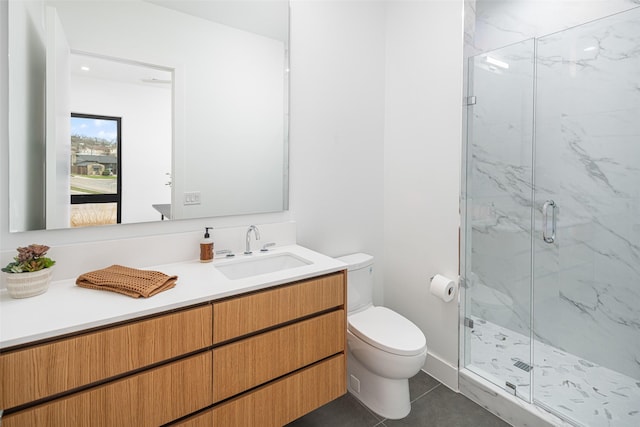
(587,287)
(588,161)
(500,188)
(491,24)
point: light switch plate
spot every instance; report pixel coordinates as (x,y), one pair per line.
(192,198)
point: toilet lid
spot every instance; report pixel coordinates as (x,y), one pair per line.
(387,330)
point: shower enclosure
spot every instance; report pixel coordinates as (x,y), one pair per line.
(551,221)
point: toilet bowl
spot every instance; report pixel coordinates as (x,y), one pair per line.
(384,348)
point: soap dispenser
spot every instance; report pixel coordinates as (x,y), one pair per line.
(206,246)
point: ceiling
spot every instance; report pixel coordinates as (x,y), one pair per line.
(268,18)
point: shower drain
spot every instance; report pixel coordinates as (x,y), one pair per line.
(524,366)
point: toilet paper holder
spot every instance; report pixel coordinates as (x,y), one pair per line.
(443,287)
(432,277)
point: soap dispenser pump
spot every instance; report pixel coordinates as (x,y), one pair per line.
(206,246)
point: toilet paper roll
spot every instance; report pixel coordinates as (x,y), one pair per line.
(443,287)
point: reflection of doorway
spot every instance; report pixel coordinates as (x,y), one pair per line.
(142,96)
(96,179)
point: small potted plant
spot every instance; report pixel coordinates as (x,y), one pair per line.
(29,273)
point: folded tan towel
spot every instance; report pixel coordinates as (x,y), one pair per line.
(128,281)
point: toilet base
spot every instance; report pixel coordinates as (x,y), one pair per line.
(386,397)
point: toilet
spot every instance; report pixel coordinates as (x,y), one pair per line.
(384,348)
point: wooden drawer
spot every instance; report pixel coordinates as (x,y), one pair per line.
(44,370)
(243,315)
(280,402)
(151,398)
(247,363)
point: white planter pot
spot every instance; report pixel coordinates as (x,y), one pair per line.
(23,285)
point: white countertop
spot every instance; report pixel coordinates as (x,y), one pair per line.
(67,308)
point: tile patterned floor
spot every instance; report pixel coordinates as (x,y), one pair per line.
(589,394)
(433,405)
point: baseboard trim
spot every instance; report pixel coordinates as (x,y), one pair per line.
(441,370)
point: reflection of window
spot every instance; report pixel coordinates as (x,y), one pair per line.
(95,168)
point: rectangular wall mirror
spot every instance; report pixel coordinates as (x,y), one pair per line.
(199,92)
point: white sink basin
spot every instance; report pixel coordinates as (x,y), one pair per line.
(261,264)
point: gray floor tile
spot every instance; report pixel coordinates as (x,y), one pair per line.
(345,411)
(445,408)
(433,405)
(420,384)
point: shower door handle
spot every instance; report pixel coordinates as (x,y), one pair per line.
(545,221)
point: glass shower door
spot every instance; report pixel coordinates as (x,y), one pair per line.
(587,225)
(497,267)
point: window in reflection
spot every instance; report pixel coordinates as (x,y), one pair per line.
(95,169)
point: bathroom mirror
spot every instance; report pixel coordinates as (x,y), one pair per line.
(199,90)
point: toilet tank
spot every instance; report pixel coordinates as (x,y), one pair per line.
(359,280)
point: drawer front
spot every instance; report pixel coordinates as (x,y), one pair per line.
(243,315)
(44,370)
(151,398)
(285,400)
(247,363)
(204,419)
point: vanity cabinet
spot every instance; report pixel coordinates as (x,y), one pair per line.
(279,402)
(41,371)
(238,316)
(242,365)
(262,358)
(150,398)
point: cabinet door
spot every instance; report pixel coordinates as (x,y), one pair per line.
(44,370)
(243,315)
(150,398)
(247,363)
(281,401)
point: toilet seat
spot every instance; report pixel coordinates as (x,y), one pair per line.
(388,331)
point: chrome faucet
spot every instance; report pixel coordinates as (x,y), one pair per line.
(247,250)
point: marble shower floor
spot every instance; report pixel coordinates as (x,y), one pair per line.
(587,394)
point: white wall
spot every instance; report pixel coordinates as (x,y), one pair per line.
(376,110)
(422,170)
(337,119)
